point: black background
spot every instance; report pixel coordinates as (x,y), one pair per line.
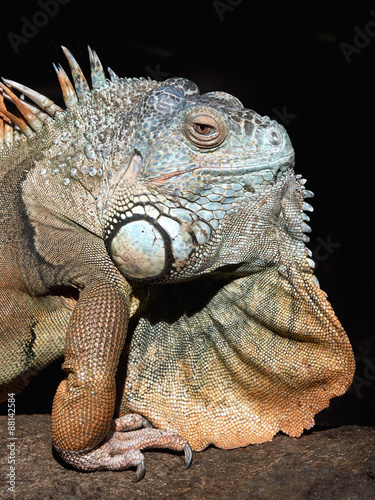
(281,61)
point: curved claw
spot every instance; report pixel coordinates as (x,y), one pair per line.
(188,455)
(140,473)
(146,424)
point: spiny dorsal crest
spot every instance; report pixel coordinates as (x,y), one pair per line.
(32,115)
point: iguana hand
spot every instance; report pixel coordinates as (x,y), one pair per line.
(121,447)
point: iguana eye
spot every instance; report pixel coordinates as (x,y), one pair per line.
(204,130)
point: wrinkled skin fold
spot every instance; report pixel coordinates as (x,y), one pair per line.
(240,354)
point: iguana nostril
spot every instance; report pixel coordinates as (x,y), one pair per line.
(274,136)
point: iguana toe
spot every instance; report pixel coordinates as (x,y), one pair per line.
(130,422)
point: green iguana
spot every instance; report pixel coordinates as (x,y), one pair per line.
(155,238)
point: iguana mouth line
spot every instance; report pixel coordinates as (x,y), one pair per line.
(220,167)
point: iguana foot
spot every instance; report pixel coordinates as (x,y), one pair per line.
(121,448)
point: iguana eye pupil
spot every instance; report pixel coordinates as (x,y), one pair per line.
(203,129)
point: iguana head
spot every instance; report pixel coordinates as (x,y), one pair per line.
(200,161)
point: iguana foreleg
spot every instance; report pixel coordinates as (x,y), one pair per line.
(84,402)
